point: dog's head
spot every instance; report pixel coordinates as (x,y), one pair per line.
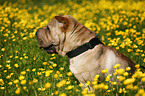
(62,34)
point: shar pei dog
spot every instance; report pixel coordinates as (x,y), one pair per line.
(87,54)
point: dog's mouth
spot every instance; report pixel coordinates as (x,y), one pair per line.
(50,50)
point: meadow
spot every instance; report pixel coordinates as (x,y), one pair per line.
(26,70)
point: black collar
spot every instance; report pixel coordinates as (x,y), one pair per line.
(90,45)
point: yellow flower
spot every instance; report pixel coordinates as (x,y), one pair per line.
(130,86)
(23,82)
(8,61)
(120,78)
(120,71)
(120,90)
(140,92)
(34,70)
(96,78)
(61,68)
(135,87)
(55,92)
(42,89)
(47,85)
(3,49)
(54,65)
(47,73)
(16,65)
(114,83)
(17,91)
(137,66)
(24,38)
(128,68)
(70,87)
(27,70)
(16,81)
(44,63)
(107,78)
(88,83)
(2,88)
(143,79)
(69,74)
(21,77)
(106,87)
(10,83)
(62,94)
(23,72)
(104,71)
(129,81)
(126,74)
(35,80)
(81,84)
(59,84)
(1,82)
(55,75)
(138,74)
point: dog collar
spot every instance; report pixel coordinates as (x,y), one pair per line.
(90,45)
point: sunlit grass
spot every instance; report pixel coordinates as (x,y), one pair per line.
(27,70)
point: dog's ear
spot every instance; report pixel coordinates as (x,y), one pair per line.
(63,20)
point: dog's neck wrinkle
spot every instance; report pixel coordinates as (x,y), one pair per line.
(74,40)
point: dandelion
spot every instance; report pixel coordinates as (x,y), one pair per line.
(17,91)
(10,83)
(47,73)
(35,80)
(69,74)
(140,92)
(3,49)
(143,79)
(105,87)
(120,71)
(137,66)
(21,77)
(1,82)
(129,81)
(23,72)
(47,85)
(88,83)
(104,71)
(61,68)
(24,38)
(16,65)
(42,89)
(116,66)
(44,63)
(62,94)
(8,61)
(81,84)
(26,70)
(23,82)
(70,87)
(126,74)
(25,88)
(34,70)
(128,68)
(121,78)
(114,83)
(54,65)
(16,81)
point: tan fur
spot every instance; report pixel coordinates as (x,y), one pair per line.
(67,34)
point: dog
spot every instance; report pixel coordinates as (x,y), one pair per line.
(87,54)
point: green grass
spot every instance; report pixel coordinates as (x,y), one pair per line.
(119,24)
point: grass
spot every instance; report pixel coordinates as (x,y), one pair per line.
(26,70)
